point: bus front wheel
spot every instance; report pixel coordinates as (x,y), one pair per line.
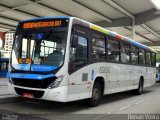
(96,95)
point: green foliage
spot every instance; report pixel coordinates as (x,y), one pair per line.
(158,58)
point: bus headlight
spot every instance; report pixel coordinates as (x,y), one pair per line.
(56,82)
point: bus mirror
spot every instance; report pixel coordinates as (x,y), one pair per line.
(74,41)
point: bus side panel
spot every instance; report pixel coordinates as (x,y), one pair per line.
(150,77)
(79,86)
(118,78)
(121,77)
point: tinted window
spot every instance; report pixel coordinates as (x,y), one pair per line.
(141,56)
(153,59)
(80,52)
(134,55)
(125,53)
(113,50)
(148,58)
(98,47)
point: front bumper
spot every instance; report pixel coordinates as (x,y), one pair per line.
(58,94)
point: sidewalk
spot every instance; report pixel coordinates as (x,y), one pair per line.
(3,81)
(4,87)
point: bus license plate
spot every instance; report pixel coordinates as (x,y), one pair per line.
(28,95)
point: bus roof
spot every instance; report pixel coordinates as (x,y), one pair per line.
(47,17)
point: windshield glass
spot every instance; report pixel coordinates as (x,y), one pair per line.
(42,48)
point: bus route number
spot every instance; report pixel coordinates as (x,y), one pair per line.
(105,70)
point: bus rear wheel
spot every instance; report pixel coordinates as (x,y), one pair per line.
(96,95)
(140,88)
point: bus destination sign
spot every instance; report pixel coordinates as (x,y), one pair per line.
(42,24)
(30,25)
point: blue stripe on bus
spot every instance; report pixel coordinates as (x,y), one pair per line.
(21,66)
(29,76)
(138,44)
(92,75)
(43,68)
(135,43)
(34,67)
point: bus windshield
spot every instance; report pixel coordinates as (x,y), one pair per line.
(42,48)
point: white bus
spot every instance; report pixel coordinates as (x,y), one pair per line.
(66,59)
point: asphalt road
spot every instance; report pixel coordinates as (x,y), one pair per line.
(120,106)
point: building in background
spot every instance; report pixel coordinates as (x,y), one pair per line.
(8,44)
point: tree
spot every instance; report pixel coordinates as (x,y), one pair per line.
(158,58)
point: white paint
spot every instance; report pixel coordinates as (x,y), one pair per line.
(125,107)
(140,102)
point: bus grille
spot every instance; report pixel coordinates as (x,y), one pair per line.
(35,93)
(33,83)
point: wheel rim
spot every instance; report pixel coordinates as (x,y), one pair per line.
(96,94)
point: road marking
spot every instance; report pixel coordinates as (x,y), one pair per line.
(103,115)
(140,102)
(125,107)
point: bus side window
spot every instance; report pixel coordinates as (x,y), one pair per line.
(134,55)
(141,57)
(153,59)
(125,53)
(113,50)
(98,46)
(79,54)
(148,58)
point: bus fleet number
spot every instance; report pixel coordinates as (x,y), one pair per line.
(105,70)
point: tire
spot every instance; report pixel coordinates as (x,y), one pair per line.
(96,95)
(140,88)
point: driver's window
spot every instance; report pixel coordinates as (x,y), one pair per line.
(80,52)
